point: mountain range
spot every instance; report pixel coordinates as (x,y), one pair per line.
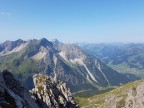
(69,63)
(125,58)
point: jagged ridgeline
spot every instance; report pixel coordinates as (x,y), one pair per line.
(65,62)
(46,94)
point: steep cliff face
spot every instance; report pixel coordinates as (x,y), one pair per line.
(128,96)
(13,94)
(51,94)
(46,94)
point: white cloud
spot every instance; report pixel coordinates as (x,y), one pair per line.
(2,13)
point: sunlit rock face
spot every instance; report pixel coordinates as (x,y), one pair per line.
(47,93)
(51,94)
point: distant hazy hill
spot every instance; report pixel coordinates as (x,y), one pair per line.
(66,62)
(126,96)
(122,57)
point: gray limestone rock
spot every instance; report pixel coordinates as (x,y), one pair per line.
(46,94)
(13,94)
(51,94)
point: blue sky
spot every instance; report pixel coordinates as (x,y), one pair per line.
(92,21)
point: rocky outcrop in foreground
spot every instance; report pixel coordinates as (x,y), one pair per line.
(13,94)
(46,94)
(50,94)
(130,95)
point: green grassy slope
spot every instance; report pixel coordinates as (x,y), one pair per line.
(98,101)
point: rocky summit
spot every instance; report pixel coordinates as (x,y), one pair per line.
(46,94)
(51,94)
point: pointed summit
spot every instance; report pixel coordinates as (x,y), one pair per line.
(19,40)
(56,42)
(9,45)
(45,42)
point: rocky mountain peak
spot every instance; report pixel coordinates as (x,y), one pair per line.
(52,94)
(45,42)
(71,51)
(56,42)
(46,94)
(19,41)
(9,45)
